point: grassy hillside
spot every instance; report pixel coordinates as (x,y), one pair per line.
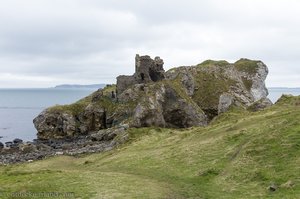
(238,156)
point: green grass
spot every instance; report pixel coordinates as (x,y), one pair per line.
(79,106)
(238,156)
(247,65)
(208,89)
(213,62)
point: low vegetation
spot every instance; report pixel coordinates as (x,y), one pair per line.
(80,105)
(240,155)
(213,63)
(208,89)
(246,65)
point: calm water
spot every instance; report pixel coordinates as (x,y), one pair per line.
(18,107)
(275,93)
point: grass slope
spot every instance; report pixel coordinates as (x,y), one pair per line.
(238,156)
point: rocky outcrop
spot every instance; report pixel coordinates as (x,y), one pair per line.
(55,123)
(253,75)
(181,97)
(61,124)
(93,118)
(163,105)
(217,85)
(90,114)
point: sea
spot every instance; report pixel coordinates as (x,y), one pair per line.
(18,107)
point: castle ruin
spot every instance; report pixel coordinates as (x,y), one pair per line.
(146,70)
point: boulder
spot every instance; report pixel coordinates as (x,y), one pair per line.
(55,124)
(60,124)
(17,141)
(9,144)
(89,114)
(1,146)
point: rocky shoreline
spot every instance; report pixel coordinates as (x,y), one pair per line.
(181,97)
(18,151)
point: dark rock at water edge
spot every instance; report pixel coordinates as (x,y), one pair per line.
(54,124)
(17,141)
(9,144)
(40,149)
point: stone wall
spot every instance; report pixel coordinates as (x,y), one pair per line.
(124,82)
(146,70)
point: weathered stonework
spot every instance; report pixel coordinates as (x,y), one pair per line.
(146,70)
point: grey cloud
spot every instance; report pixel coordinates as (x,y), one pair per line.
(93,41)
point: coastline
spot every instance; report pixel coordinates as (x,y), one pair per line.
(103,140)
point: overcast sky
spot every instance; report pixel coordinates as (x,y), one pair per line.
(48,42)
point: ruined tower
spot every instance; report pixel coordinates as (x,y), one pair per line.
(146,70)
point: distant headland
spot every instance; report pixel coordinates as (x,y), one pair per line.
(81,86)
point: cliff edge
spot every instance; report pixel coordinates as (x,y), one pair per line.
(179,98)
